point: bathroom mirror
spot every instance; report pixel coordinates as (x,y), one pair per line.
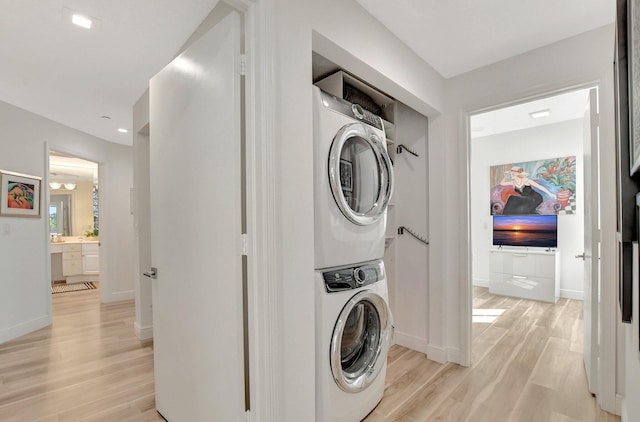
(59,214)
(73,200)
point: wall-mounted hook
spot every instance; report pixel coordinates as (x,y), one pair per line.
(401,230)
(403,147)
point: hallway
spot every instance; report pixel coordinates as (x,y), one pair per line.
(89,366)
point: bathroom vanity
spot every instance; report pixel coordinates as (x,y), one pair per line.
(75,260)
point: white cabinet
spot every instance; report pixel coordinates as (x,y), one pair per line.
(90,258)
(71,259)
(525,274)
(75,262)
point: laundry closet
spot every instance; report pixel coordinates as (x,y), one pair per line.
(406,249)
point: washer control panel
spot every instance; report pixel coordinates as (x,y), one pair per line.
(349,278)
(352,110)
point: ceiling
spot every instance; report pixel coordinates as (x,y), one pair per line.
(562,107)
(76,76)
(456,36)
(73,75)
(66,169)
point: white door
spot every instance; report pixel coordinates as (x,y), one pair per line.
(196,230)
(591,241)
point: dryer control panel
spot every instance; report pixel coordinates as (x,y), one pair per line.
(352,110)
(349,278)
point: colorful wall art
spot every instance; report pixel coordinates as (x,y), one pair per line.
(544,187)
(19,195)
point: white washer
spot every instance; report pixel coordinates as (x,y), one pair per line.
(353,182)
(354,327)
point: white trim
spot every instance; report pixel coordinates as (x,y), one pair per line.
(81,278)
(10,333)
(118,296)
(479,282)
(607,315)
(619,402)
(436,354)
(440,355)
(262,227)
(454,355)
(572,294)
(412,342)
(143,333)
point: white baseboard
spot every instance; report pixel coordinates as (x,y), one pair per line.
(440,355)
(480,283)
(82,278)
(118,296)
(10,333)
(619,400)
(411,342)
(572,294)
(143,333)
(453,355)
(436,354)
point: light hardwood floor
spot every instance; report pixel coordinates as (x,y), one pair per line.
(526,366)
(89,366)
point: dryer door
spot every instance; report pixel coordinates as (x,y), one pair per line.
(360,173)
(360,341)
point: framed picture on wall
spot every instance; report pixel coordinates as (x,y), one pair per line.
(20,195)
(633,52)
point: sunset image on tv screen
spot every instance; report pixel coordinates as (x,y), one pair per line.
(526,230)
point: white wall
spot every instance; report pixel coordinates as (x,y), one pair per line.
(409,285)
(577,61)
(550,141)
(365,46)
(25,304)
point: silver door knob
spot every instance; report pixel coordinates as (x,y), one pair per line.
(151,274)
(581,256)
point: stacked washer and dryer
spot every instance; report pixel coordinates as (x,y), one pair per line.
(353,185)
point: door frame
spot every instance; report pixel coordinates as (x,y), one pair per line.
(105,287)
(261,174)
(606,158)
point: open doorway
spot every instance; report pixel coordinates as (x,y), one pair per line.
(521,155)
(74,223)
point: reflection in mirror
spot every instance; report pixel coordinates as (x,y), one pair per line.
(59,214)
(73,187)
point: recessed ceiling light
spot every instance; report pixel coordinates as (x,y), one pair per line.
(81,21)
(122,130)
(540,113)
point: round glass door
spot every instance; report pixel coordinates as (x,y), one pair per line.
(360,173)
(360,341)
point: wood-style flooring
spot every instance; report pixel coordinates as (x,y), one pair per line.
(526,367)
(89,366)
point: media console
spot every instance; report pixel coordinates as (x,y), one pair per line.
(526,274)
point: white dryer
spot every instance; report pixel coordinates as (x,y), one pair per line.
(353,182)
(353,335)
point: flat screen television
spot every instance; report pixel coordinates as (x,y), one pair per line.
(540,231)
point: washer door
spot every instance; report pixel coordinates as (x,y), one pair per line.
(360,341)
(360,173)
